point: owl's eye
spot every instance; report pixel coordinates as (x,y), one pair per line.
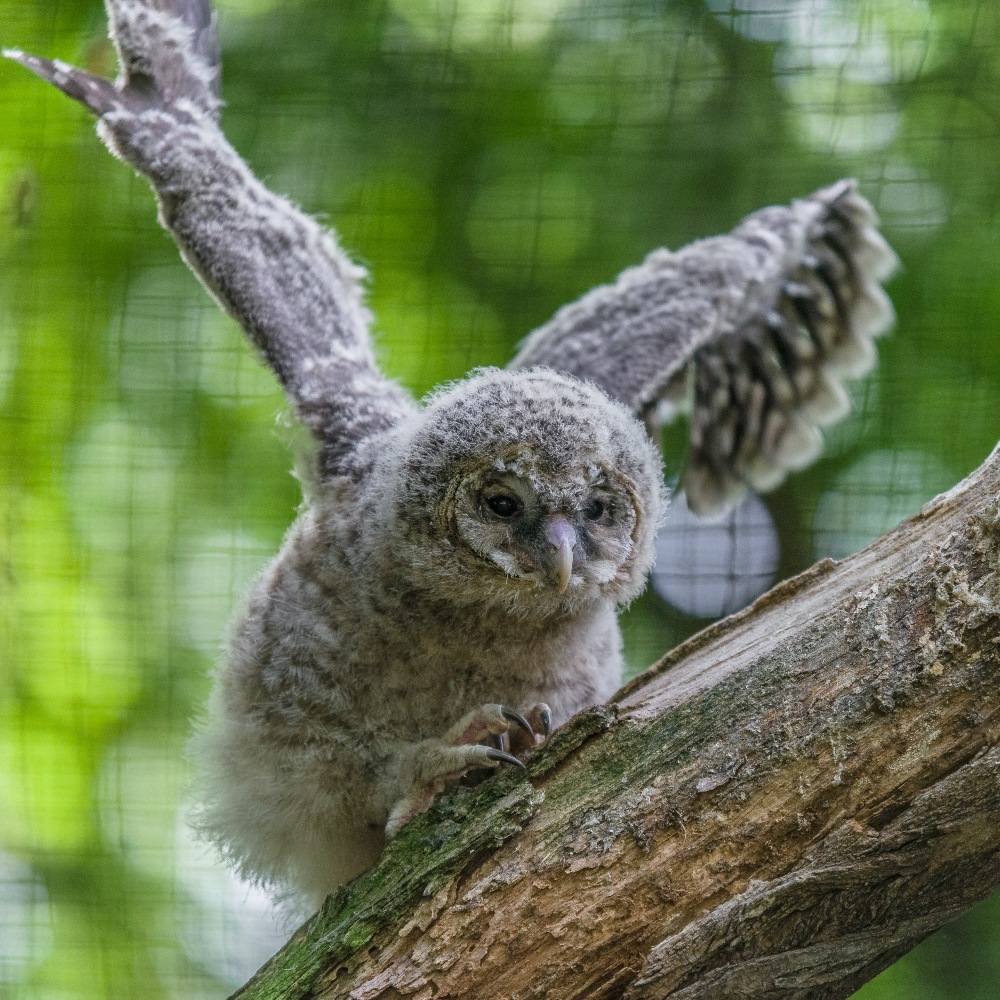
(594,510)
(503,505)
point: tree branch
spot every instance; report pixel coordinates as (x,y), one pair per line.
(779,808)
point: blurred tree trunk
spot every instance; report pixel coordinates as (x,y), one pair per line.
(780,808)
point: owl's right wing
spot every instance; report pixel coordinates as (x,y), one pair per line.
(751,333)
(283,277)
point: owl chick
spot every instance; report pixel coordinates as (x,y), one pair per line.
(450,590)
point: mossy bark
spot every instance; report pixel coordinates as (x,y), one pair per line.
(780,808)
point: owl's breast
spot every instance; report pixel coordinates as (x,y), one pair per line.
(435,674)
(328,643)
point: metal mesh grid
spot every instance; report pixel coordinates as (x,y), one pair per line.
(489,160)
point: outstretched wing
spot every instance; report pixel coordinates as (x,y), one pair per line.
(279,274)
(751,333)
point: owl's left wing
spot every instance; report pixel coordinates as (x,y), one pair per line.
(751,333)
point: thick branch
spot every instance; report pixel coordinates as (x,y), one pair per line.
(811,788)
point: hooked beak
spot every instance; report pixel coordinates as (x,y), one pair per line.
(562,537)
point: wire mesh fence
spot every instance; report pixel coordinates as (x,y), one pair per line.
(488,161)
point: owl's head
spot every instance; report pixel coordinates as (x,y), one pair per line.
(530,490)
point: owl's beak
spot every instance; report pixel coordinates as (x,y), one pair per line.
(562,537)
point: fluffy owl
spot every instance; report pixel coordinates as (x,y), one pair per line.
(450,590)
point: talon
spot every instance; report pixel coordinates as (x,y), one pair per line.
(540,716)
(504,758)
(545,714)
(511,716)
(502,742)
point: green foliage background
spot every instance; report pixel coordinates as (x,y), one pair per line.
(489,160)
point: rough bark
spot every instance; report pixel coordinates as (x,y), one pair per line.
(779,808)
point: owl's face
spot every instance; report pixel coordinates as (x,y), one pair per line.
(528,490)
(564,529)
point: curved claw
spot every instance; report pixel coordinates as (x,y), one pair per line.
(540,717)
(545,714)
(511,716)
(504,758)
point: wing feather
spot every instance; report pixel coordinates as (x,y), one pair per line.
(284,278)
(751,333)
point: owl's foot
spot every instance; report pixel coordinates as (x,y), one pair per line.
(439,763)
